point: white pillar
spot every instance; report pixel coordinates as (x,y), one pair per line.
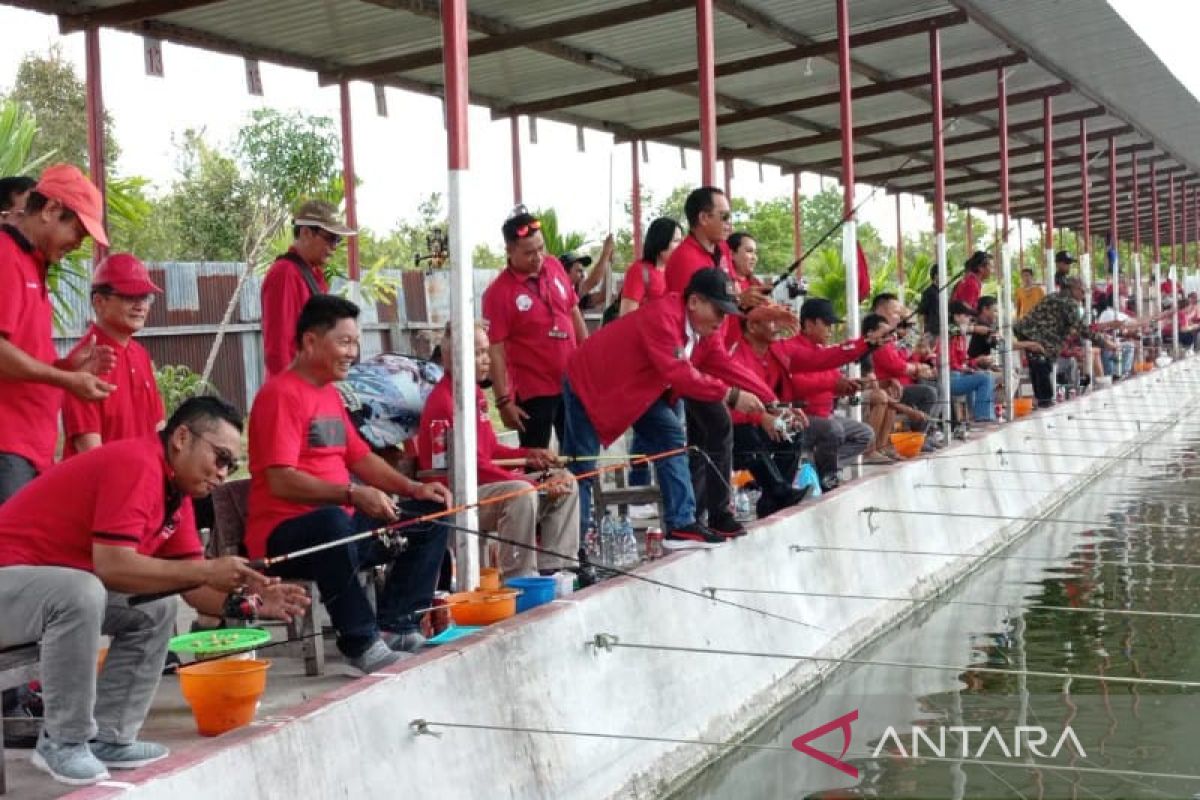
(853,323)
(943,347)
(1006,314)
(1085,270)
(1139,309)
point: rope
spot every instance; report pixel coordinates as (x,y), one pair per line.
(940,601)
(606,641)
(796,548)
(424,727)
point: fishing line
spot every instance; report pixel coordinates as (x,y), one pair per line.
(871,510)
(1148,497)
(981,557)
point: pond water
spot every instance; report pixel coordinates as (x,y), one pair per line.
(1127,740)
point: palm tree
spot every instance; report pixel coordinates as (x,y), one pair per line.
(558,241)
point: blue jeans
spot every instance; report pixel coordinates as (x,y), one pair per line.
(410,582)
(1109,359)
(639,471)
(659,429)
(979,388)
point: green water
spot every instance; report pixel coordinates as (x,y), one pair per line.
(1133,728)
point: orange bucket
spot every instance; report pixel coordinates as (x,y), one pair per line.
(742,478)
(908,444)
(1022,406)
(482,608)
(1143,366)
(223,694)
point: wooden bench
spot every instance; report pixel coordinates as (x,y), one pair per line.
(18,666)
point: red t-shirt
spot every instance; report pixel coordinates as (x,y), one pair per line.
(133,409)
(814,370)
(624,367)
(691,256)
(439,407)
(113,495)
(769,366)
(284,293)
(644,282)
(28,410)
(968,290)
(533,317)
(890,364)
(296,424)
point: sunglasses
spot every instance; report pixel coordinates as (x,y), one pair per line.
(131,299)
(225,459)
(528,229)
(331,238)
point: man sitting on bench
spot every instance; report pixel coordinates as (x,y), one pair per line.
(112,522)
(303,449)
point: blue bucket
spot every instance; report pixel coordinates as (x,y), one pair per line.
(534,591)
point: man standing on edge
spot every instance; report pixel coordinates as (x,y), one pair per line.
(122,294)
(535,325)
(296,276)
(60,212)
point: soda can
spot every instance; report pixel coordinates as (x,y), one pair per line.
(439,615)
(654,543)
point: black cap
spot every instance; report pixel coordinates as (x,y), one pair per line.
(713,285)
(819,308)
(1063,257)
(567,259)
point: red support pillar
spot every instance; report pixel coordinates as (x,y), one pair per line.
(514,123)
(970,248)
(1154,212)
(1171,212)
(1048,180)
(797,223)
(635,199)
(899,245)
(1112,189)
(349,180)
(1137,232)
(95,125)
(706,67)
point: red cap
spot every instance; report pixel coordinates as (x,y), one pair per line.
(125,274)
(66,184)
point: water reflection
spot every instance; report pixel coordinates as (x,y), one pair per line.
(1140,728)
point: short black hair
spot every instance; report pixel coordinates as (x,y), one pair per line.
(985,302)
(872,321)
(1026,270)
(881,298)
(735,240)
(699,201)
(203,411)
(10,187)
(658,238)
(509,229)
(322,312)
(37,201)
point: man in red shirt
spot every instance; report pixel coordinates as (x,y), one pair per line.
(553,520)
(708,218)
(296,276)
(666,350)
(303,450)
(835,440)
(535,325)
(59,213)
(122,294)
(113,522)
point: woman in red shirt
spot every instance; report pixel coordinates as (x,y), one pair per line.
(965,378)
(645,280)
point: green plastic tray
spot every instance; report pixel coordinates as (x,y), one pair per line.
(220,641)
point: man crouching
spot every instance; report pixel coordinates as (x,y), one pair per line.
(82,537)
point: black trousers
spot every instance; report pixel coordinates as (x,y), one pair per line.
(1041,375)
(545,415)
(773,464)
(710,429)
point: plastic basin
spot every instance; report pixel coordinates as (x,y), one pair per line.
(534,591)
(482,608)
(1022,406)
(223,694)
(908,444)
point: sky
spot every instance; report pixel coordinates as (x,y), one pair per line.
(400,159)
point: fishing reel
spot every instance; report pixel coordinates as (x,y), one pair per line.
(393,541)
(797,287)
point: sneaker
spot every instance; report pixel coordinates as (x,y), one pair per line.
(829,483)
(726,525)
(643,511)
(128,756)
(376,657)
(72,764)
(695,536)
(409,642)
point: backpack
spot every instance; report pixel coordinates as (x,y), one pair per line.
(614,308)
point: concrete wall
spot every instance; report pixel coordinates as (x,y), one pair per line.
(539,670)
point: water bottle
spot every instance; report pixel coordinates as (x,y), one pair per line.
(743,509)
(591,545)
(608,536)
(628,545)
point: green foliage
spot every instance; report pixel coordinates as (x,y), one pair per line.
(204,216)
(558,241)
(484,257)
(17,130)
(291,156)
(48,90)
(177,383)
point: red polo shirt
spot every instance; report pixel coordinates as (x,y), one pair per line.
(296,424)
(644,282)
(28,410)
(439,407)
(815,370)
(624,367)
(770,366)
(890,364)
(284,293)
(533,317)
(113,495)
(690,256)
(135,407)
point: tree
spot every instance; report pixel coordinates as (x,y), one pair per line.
(206,211)
(48,89)
(17,129)
(557,240)
(291,156)
(484,257)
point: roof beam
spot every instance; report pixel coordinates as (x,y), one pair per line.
(832,98)
(669,80)
(1035,166)
(519,37)
(126,13)
(890,125)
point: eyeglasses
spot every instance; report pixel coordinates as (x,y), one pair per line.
(528,229)
(225,459)
(331,238)
(131,299)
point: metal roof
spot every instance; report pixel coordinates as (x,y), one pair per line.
(629,67)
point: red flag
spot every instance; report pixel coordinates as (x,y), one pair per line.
(864,274)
